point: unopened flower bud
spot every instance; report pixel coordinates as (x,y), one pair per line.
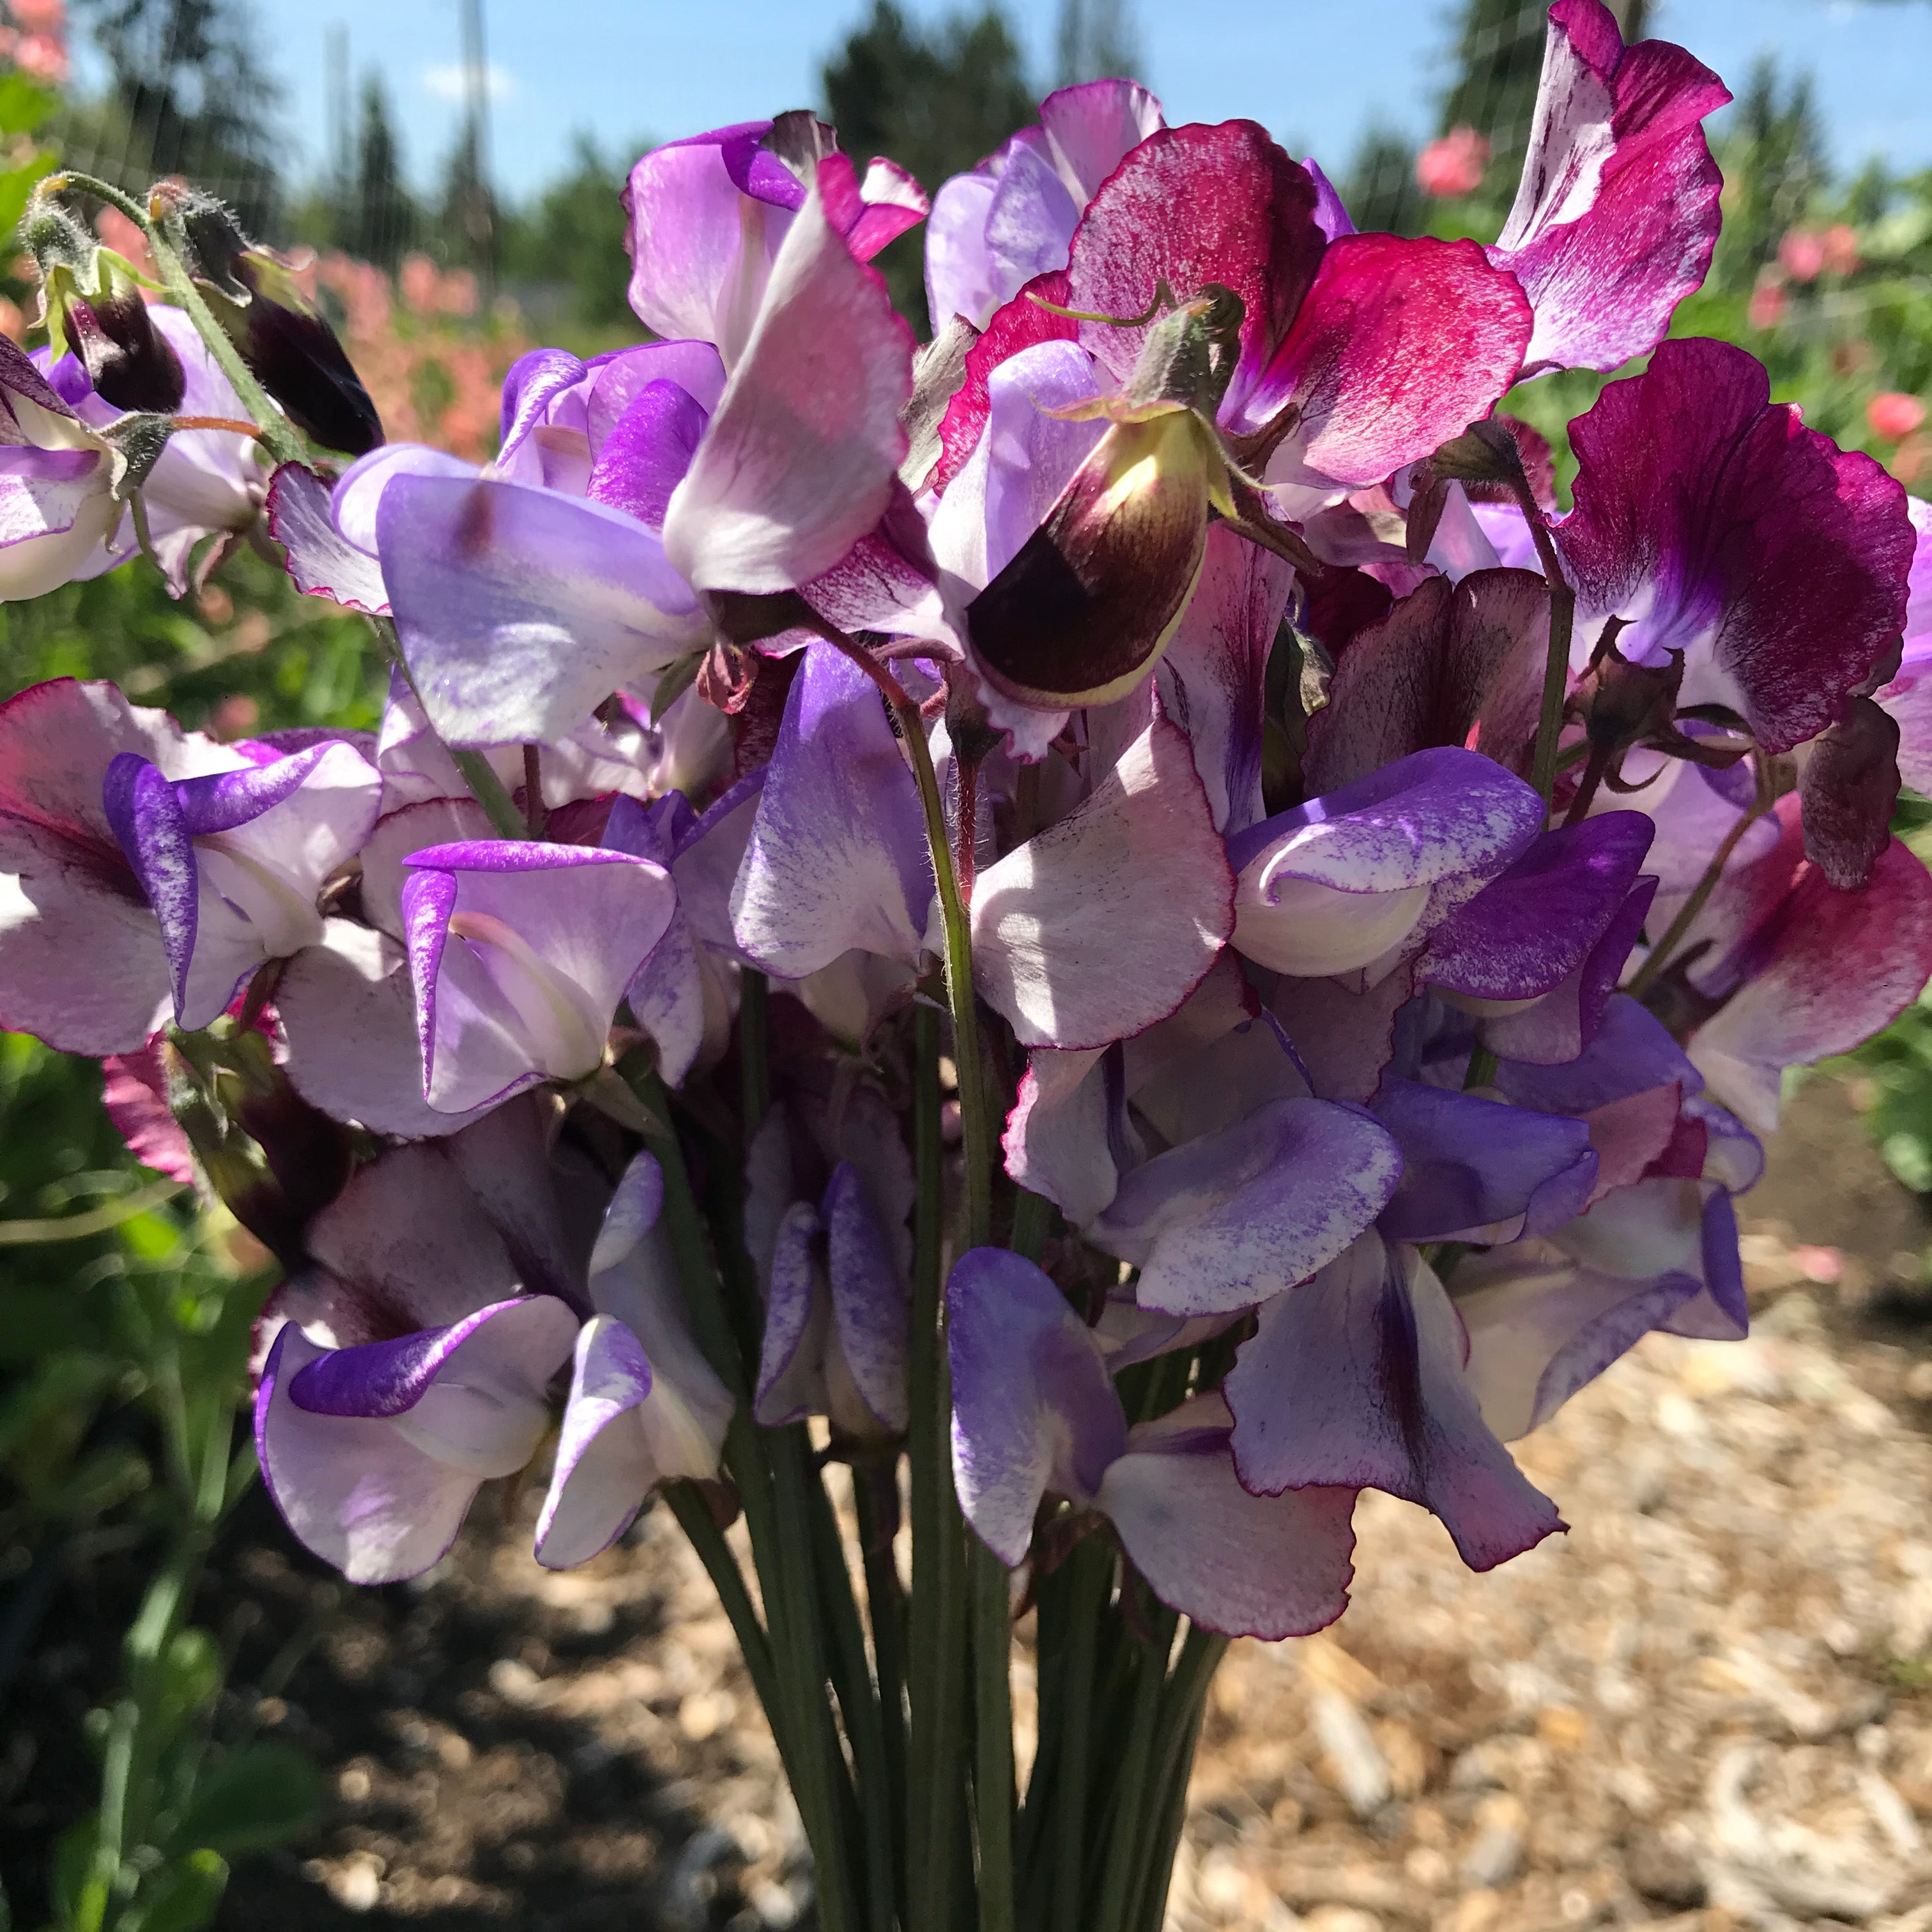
(288,345)
(91,305)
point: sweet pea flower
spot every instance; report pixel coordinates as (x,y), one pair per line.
(1894,415)
(58,504)
(1907,695)
(1617,212)
(206,483)
(628,490)
(233,862)
(1080,459)
(413,1361)
(992,231)
(1035,1414)
(644,1406)
(709,217)
(1093,929)
(82,961)
(520,953)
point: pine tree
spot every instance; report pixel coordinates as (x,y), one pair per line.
(1380,192)
(1097,42)
(383,222)
(187,94)
(574,236)
(470,220)
(936,101)
(1772,154)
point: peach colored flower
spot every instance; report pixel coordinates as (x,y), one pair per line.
(1893,415)
(1453,164)
(1840,243)
(1802,254)
(1768,302)
(43,57)
(39,17)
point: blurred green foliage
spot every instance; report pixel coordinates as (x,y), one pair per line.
(126,1317)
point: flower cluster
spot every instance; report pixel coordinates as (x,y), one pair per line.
(1384,909)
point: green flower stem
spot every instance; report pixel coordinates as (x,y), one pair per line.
(168,240)
(937,1686)
(701,1528)
(775,1515)
(1089,1579)
(754,1047)
(1183,1701)
(1125,1832)
(859,1704)
(1033,1221)
(875,1494)
(993,1744)
(1659,956)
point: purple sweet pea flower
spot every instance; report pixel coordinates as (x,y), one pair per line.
(644,1406)
(1356,1377)
(520,953)
(414,1359)
(992,231)
(1034,1413)
(709,217)
(1090,930)
(58,507)
(233,862)
(1346,880)
(627,490)
(81,960)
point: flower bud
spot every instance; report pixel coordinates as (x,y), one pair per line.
(91,306)
(288,345)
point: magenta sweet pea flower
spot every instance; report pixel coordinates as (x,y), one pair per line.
(1617,212)
(1907,697)
(1712,522)
(1077,478)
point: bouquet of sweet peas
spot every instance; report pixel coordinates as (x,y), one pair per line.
(1042,955)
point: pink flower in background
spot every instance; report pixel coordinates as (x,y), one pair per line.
(1840,243)
(1803,255)
(43,57)
(40,16)
(1893,415)
(13,323)
(1768,301)
(1453,164)
(417,279)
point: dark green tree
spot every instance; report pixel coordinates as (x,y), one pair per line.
(1380,192)
(382,222)
(937,100)
(1771,150)
(572,237)
(471,219)
(1097,42)
(187,93)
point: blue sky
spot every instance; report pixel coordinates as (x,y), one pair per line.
(1316,72)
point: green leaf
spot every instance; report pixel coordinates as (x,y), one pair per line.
(190,1675)
(68,1869)
(16,188)
(109,1476)
(182,1897)
(35,1322)
(24,105)
(260,1795)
